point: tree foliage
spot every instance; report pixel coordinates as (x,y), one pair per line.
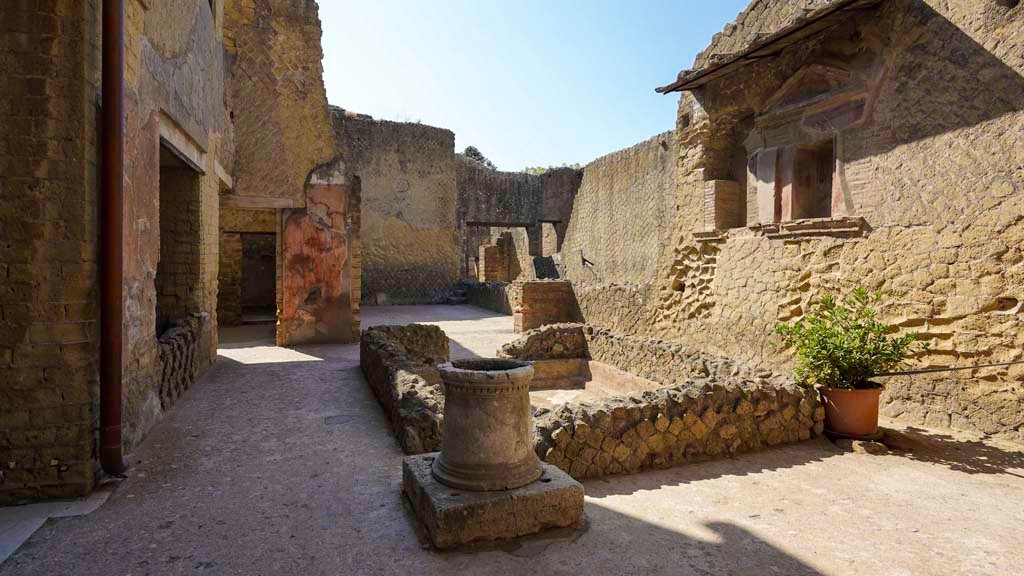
(474,153)
(842,344)
(538,170)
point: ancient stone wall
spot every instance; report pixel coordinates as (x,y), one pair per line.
(315,298)
(174,101)
(496,296)
(699,420)
(284,138)
(516,202)
(276,97)
(407,209)
(541,302)
(179,348)
(709,407)
(662,361)
(760,18)
(168,129)
(399,365)
(622,215)
(713,409)
(49,339)
(927,204)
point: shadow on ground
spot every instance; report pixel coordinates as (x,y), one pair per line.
(645,548)
(959,454)
(778,458)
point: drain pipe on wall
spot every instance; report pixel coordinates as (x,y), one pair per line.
(111,213)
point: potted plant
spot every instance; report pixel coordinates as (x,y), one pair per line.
(840,345)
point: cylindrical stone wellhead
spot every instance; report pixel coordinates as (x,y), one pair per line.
(487,433)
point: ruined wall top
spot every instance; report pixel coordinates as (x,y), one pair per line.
(407,195)
(514,198)
(761,18)
(276,96)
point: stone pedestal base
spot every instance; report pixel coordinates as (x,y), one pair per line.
(457,517)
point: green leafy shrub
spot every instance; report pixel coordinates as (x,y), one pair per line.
(842,344)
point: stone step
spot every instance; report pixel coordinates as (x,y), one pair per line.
(457,300)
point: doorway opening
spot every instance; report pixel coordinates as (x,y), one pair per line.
(259,278)
(178,290)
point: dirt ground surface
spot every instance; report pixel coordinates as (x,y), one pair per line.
(279,461)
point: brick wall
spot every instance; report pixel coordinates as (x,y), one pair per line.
(178,292)
(48,269)
(50,53)
(543,302)
(493,263)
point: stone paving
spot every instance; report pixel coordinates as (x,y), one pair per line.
(279,461)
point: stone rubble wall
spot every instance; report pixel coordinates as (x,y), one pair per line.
(711,407)
(399,365)
(658,360)
(552,342)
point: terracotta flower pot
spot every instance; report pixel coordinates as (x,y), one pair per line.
(852,413)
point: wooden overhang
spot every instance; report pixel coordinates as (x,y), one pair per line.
(770,45)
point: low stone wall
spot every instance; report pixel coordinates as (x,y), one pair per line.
(710,407)
(179,351)
(399,364)
(700,420)
(496,296)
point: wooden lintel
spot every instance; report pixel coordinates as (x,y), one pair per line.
(254,202)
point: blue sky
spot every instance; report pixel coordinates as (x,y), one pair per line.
(529,83)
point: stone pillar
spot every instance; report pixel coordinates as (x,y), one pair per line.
(487,434)
(535,236)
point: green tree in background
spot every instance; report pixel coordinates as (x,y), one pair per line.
(538,170)
(474,153)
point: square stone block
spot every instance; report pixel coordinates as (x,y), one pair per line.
(458,517)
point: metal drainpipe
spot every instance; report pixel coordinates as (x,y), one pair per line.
(112,238)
